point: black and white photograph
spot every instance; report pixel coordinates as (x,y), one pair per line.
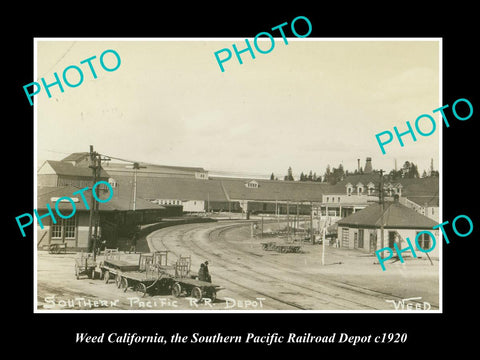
(261,187)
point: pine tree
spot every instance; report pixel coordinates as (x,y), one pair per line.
(272,177)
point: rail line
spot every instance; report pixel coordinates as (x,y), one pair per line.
(343,285)
(227,279)
(185,237)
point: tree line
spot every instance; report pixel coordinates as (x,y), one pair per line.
(409,170)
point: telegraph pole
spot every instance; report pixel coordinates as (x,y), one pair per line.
(312,235)
(93,165)
(382,209)
(288,221)
(94,220)
(135,167)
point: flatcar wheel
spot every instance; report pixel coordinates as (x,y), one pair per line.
(177,290)
(118,280)
(141,289)
(124,284)
(196,293)
(106,276)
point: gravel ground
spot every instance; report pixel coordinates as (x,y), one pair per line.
(252,278)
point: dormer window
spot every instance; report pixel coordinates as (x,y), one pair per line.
(201,175)
(349,189)
(112,183)
(359,188)
(252,184)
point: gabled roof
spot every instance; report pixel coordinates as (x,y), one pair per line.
(181,188)
(410,187)
(395,216)
(272,190)
(117,203)
(68,169)
(219,189)
(76,156)
(428,200)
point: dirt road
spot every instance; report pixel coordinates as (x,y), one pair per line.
(253,279)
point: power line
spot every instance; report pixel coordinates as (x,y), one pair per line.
(60,59)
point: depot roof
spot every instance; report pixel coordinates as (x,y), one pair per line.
(49,195)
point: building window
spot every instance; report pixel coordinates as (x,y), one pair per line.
(424,241)
(64,228)
(338,199)
(112,182)
(69,226)
(327,198)
(252,185)
(57,230)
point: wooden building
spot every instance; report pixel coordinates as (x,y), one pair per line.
(362,230)
(117,221)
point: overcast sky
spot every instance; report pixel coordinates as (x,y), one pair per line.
(305,105)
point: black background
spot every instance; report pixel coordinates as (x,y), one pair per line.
(428,334)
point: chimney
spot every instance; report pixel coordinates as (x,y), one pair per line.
(368,166)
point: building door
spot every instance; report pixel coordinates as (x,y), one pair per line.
(355,240)
(360,238)
(391,239)
(373,241)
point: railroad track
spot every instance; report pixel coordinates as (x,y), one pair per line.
(340,284)
(186,239)
(225,278)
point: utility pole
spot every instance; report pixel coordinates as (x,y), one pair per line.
(261,236)
(288,221)
(135,166)
(95,165)
(382,209)
(312,235)
(323,240)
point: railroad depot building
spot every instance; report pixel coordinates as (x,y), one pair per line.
(225,194)
(116,220)
(362,230)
